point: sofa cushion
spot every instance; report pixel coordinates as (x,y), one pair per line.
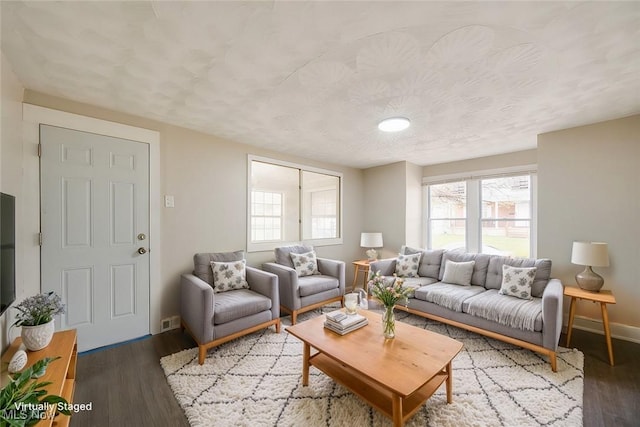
(543,272)
(311,285)
(417,282)
(233,305)
(305,264)
(429,261)
(517,281)
(479,269)
(202,263)
(283,257)
(228,276)
(458,273)
(407,265)
(513,312)
(447,295)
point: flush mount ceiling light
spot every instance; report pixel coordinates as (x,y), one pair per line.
(394,124)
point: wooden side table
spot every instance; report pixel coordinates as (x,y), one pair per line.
(361,266)
(604,298)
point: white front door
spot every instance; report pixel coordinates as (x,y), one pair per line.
(94,199)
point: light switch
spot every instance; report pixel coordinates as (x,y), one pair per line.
(169,202)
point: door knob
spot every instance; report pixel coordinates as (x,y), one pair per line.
(141,236)
(142,251)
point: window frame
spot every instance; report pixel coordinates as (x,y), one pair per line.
(474,220)
(270,245)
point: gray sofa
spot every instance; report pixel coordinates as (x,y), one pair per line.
(533,324)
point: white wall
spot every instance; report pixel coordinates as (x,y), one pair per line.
(11,173)
(520,158)
(589,189)
(393,205)
(413,214)
(384,206)
(208,178)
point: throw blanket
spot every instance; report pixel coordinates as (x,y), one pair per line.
(448,295)
(506,310)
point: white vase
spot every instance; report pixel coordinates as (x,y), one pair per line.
(38,337)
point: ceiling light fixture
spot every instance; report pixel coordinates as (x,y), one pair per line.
(394,124)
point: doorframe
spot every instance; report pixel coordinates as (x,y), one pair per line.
(33,116)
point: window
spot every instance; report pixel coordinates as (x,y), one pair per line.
(266,216)
(320,205)
(289,203)
(448,215)
(506,215)
(493,214)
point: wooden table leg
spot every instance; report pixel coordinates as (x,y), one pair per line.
(306,353)
(449,383)
(365,277)
(397,411)
(607,331)
(355,278)
(572,312)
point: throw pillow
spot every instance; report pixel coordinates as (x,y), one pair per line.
(228,276)
(407,265)
(517,281)
(458,273)
(305,264)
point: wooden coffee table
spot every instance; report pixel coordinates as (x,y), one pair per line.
(394,376)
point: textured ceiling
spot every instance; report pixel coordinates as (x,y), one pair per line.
(314,78)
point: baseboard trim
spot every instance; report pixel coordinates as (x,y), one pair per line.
(618,330)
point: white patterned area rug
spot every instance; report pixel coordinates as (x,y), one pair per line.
(256,381)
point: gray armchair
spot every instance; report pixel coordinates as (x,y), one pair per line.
(215,318)
(300,294)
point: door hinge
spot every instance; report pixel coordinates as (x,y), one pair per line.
(40,239)
(39,150)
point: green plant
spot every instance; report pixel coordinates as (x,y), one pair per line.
(24,401)
(38,309)
(388,292)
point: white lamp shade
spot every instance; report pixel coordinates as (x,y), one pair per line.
(371,240)
(594,254)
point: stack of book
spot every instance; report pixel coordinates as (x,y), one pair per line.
(341,323)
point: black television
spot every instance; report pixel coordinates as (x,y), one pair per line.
(8,251)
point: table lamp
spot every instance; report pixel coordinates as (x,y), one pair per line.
(371,240)
(590,254)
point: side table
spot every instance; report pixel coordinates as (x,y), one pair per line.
(361,266)
(604,298)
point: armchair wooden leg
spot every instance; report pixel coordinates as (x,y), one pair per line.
(278,326)
(294,317)
(202,354)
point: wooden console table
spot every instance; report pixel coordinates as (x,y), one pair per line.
(61,372)
(604,298)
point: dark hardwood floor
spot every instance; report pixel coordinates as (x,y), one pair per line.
(126,385)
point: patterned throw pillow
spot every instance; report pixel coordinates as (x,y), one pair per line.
(228,276)
(407,265)
(458,273)
(517,281)
(305,264)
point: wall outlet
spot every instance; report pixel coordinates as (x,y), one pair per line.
(169,323)
(169,202)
